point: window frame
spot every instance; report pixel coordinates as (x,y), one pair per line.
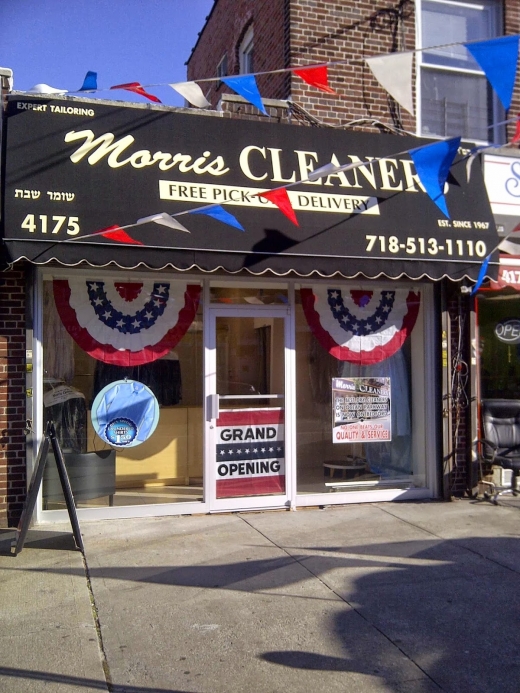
(246,53)
(497,132)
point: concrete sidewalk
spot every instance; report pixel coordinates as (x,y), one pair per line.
(404,597)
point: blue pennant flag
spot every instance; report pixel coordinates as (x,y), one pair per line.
(498,59)
(432,163)
(481,275)
(219,213)
(246,86)
(90,82)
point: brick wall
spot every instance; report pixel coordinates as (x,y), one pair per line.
(301,32)
(12,396)
(325,31)
(223,33)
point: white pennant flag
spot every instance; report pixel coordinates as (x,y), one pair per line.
(509,247)
(326,170)
(394,73)
(165,220)
(45,89)
(192,93)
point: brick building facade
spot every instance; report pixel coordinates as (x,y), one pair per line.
(12,394)
(294,33)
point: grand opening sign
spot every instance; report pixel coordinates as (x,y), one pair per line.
(250,452)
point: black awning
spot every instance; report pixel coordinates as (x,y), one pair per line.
(75,167)
(107,254)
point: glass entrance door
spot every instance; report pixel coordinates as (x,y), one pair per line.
(246,406)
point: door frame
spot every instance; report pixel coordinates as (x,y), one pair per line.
(210,388)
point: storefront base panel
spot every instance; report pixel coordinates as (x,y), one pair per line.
(349,497)
(311,500)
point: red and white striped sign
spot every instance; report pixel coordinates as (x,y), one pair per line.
(250,452)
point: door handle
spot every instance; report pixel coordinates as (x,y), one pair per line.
(212,407)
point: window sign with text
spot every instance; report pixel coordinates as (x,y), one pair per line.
(361,410)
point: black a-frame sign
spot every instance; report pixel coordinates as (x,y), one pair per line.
(49,440)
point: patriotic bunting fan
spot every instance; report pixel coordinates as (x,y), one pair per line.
(361,326)
(126,323)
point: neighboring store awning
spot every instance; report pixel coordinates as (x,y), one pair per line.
(75,167)
(508,275)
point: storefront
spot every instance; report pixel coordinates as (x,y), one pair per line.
(273,356)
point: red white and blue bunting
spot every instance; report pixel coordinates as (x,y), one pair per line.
(360,325)
(126,323)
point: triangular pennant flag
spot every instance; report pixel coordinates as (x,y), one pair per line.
(315,76)
(90,82)
(218,212)
(509,247)
(163,219)
(516,136)
(245,85)
(432,163)
(481,275)
(322,171)
(116,233)
(137,89)
(498,59)
(394,73)
(192,93)
(45,89)
(280,198)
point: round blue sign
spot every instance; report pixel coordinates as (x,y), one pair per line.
(121,432)
(125,413)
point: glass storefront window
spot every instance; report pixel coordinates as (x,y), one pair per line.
(499,344)
(327,460)
(168,466)
(249,293)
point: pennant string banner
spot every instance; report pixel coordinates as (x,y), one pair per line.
(316,77)
(245,85)
(192,93)
(394,74)
(137,89)
(220,214)
(432,163)
(498,59)
(280,198)
(90,82)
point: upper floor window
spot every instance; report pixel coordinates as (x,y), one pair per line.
(455,96)
(222,67)
(245,53)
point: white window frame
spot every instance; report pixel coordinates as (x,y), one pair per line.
(245,52)
(222,68)
(496,134)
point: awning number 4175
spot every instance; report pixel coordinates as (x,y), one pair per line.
(46,224)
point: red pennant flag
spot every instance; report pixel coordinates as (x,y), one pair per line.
(516,137)
(280,198)
(116,233)
(316,77)
(138,89)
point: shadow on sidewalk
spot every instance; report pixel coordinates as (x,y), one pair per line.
(78,681)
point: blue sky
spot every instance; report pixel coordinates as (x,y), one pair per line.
(56,42)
